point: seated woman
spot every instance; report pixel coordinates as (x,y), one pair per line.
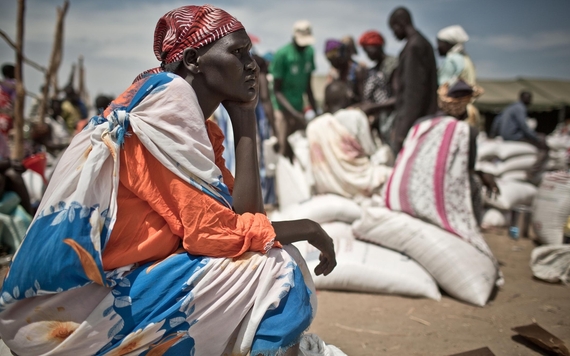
(145,244)
(434,178)
(341,147)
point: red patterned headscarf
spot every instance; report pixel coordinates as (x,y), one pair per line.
(189,26)
(371,38)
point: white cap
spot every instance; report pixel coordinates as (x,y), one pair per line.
(303,34)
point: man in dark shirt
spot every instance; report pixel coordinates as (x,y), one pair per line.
(511,123)
(416,77)
(511,126)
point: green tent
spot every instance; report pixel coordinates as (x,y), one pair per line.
(548,94)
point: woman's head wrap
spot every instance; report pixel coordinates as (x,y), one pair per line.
(335,49)
(453,99)
(453,34)
(371,38)
(189,27)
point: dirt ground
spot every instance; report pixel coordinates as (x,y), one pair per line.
(366,324)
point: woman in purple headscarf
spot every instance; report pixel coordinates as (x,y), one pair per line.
(346,69)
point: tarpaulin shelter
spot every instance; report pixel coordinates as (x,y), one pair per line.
(547,94)
(550,99)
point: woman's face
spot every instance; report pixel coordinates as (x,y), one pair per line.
(228,70)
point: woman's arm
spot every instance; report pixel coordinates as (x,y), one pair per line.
(247,187)
(307,230)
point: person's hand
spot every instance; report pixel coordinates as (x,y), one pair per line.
(18,166)
(491,185)
(321,240)
(234,106)
(300,118)
(5,163)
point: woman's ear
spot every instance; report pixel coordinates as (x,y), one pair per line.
(190,60)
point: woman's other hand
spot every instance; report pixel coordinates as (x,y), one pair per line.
(322,241)
(307,230)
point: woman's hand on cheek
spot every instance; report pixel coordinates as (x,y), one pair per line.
(233,106)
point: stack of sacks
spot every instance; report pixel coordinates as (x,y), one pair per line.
(459,268)
(365,267)
(294,181)
(559,145)
(291,182)
(508,162)
(361,266)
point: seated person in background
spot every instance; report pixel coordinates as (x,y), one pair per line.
(52,132)
(341,147)
(511,126)
(11,177)
(434,178)
(101,103)
(72,109)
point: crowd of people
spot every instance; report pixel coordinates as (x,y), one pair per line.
(152,231)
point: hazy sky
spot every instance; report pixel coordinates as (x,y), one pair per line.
(509,38)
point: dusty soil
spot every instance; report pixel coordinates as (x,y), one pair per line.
(366,324)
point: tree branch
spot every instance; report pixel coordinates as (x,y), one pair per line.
(26,60)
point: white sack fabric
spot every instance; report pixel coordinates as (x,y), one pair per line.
(459,268)
(551,208)
(494,218)
(551,263)
(292,185)
(512,193)
(322,209)
(365,267)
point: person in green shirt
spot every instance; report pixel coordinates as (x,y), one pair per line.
(292,67)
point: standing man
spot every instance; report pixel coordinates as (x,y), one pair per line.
(416,87)
(291,68)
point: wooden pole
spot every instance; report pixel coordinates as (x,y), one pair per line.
(26,60)
(81,88)
(18,151)
(83,94)
(54,62)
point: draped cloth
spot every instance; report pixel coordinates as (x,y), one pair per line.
(341,146)
(431,180)
(58,300)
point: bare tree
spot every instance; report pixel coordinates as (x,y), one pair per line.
(26,60)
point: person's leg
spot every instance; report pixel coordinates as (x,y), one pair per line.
(534,174)
(281,127)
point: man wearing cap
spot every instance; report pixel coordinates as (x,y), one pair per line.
(416,94)
(291,68)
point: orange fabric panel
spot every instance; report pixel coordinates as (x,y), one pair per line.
(157,211)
